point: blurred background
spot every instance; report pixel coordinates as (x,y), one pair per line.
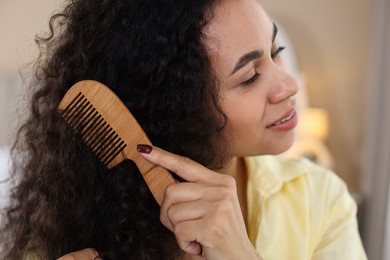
(339,51)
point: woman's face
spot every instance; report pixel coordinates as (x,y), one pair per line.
(256,91)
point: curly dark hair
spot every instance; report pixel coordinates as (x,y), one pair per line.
(152,55)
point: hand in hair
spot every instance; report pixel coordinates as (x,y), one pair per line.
(203,213)
(85,254)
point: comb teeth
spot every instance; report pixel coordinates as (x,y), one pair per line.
(99,136)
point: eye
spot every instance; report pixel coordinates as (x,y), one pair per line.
(250,81)
(276,53)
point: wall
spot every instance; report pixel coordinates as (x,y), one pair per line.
(376,163)
(386,241)
(332,40)
(20,20)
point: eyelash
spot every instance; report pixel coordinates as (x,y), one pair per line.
(253,79)
(277,52)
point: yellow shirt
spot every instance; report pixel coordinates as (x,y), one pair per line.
(300,211)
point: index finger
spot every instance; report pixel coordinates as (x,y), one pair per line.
(87,253)
(183,166)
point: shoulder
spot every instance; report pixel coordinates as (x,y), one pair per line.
(299,176)
(316,201)
(317,190)
(286,170)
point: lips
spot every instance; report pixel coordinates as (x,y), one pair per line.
(285,118)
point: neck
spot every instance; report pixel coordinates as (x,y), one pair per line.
(236,168)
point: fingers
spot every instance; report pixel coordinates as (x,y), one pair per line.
(85,254)
(182,166)
(184,233)
(173,213)
(203,213)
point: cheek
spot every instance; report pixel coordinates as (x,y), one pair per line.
(244,110)
(244,120)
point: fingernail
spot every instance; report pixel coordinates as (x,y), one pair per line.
(144,148)
(99,255)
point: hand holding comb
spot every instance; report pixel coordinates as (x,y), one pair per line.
(111,131)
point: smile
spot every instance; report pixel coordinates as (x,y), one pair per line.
(285,123)
(283,120)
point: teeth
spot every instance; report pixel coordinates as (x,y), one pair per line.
(283,120)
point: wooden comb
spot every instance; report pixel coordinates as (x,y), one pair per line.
(111,131)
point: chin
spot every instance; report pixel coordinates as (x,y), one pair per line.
(264,151)
(272,147)
(277,148)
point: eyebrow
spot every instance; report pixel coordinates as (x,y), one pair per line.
(275,32)
(250,56)
(246,58)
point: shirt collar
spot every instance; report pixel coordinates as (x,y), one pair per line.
(268,173)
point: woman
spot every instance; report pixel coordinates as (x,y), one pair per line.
(205,81)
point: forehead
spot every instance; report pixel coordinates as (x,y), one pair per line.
(238,27)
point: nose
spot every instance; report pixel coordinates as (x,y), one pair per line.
(284,85)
